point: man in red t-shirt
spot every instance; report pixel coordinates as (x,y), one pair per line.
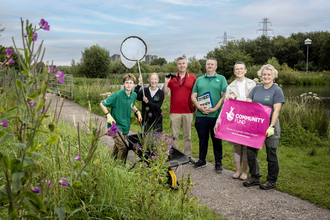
(182,108)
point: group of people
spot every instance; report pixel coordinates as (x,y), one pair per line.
(185,93)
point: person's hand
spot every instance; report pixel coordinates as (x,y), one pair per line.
(140,80)
(215,129)
(231,97)
(145,99)
(204,109)
(110,119)
(269,132)
(167,79)
(139,117)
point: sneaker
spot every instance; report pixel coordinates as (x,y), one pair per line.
(267,185)
(199,164)
(191,161)
(218,167)
(251,182)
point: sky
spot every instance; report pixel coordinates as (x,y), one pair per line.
(170,28)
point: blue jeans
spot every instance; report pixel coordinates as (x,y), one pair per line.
(204,127)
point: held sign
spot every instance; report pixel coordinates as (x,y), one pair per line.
(244,123)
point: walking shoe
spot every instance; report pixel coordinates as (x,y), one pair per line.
(191,161)
(199,164)
(267,185)
(218,167)
(251,182)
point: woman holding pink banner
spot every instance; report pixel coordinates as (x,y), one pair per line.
(239,89)
(268,94)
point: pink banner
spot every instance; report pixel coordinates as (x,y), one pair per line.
(244,123)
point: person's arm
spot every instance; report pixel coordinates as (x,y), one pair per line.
(165,88)
(218,105)
(196,103)
(249,100)
(107,114)
(276,111)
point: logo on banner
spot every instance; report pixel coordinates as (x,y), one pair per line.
(230,115)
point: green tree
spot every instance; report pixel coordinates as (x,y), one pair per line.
(227,56)
(325,55)
(194,66)
(117,67)
(159,61)
(202,62)
(287,50)
(95,62)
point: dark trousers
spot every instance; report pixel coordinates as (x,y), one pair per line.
(272,159)
(204,127)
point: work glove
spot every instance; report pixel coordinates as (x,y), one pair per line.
(138,116)
(269,132)
(110,119)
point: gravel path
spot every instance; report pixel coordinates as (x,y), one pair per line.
(220,192)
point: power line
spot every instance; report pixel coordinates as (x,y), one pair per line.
(265,28)
(225,38)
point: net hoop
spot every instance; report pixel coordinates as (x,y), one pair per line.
(145,45)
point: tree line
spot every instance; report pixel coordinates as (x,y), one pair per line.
(289,51)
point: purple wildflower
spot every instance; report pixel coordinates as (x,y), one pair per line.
(150,114)
(64,184)
(43,110)
(10,61)
(36,190)
(4,123)
(52,69)
(147,108)
(77,157)
(8,53)
(34,37)
(174,138)
(25,34)
(60,76)
(31,103)
(44,25)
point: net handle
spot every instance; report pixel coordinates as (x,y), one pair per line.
(140,40)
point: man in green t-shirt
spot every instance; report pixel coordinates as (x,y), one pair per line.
(210,90)
(121,103)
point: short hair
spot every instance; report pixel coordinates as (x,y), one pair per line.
(239,62)
(216,63)
(180,58)
(153,74)
(129,76)
(268,67)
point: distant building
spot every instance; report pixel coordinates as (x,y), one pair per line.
(150,58)
(115,57)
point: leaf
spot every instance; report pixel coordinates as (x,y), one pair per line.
(51,126)
(35,198)
(84,173)
(41,104)
(18,83)
(16,179)
(38,155)
(20,145)
(2,133)
(13,215)
(24,121)
(76,165)
(61,212)
(4,161)
(42,131)
(33,96)
(26,53)
(77,183)
(53,139)
(40,146)
(5,138)
(44,87)
(14,165)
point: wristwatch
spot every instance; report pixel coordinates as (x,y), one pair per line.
(273,126)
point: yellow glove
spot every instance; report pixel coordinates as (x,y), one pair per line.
(139,117)
(110,119)
(269,132)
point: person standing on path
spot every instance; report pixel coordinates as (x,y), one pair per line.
(120,103)
(268,94)
(151,103)
(239,89)
(215,86)
(181,109)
